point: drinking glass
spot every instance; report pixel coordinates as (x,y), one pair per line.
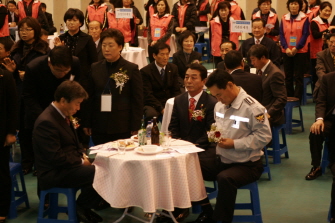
(121,144)
(166,141)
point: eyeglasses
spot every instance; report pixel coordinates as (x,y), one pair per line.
(25,30)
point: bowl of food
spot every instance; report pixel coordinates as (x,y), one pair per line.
(149,148)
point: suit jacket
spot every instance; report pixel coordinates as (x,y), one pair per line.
(274,94)
(274,51)
(251,83)
(49,18)
(180,60)
(99,52)
(8,106)
(127,106)
(221,66)
(192,131)
(324,65)
(16,18)
(56,148)
(156,91)
(39,86)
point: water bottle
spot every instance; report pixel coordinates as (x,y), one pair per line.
(142,134)
(148,136)
(61,29)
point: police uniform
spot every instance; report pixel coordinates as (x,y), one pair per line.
(245,122)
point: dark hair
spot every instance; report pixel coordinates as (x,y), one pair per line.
(160,46)
(258,51)
(11,2)
(233,59)
(222,5)
(100,2)
(233,45)
(100,24)
(61,56)
(7,42)
(198,67)
(70,90)
(327,36)
(167,7)
(185,35)
(306,8)
(115,34)
(71,12)
(323,5)
(44,32)
(43,5)
(220,78)
(32,23)
(291,1)
(258,20)
(262,1)
(317,2)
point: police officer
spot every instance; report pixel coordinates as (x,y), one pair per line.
(245,130)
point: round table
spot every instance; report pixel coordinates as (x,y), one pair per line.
(135,55)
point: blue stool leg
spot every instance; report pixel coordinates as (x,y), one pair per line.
(41,212)
(276,147)
(71,203)
(284,141)
(53,204)
(301,119)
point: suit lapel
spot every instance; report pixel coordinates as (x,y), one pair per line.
(63,123)
(201,101)
(156,74)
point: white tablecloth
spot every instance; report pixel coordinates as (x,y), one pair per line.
(143,43)
(149,181)
(135,55)
(167,114)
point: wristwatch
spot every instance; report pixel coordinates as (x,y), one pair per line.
(319,119)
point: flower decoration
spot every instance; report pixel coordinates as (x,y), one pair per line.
(214,134)
(74,121)
(198,115)
(120,78)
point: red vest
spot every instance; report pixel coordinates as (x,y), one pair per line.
(235,10)
(203,18)
(151,10)
(294,30)
(272,19)
(161,24)
(315,10)
(181,14)
(97,14)
(214,5)
(35,8)
(310,15)
(4,31)
(121,24)
(316,44)
(216,31)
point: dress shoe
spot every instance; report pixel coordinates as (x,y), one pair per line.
(162,218)
(180,214)
(94,216)
(83,215)
(204,218)
(102,205)
(314,173)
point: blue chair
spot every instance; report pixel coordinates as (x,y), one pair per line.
(324,161)
(266,165)
(208,46)
(17,196)
(53,210)
(201,48)
(305,95)
(290,123)
(212,192)
(278,148)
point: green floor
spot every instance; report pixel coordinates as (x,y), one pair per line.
(288,198)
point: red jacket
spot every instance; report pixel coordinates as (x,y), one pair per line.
(98,14)
(203,18)
(159,26)
(316,44)
(235,10)
(35,8)
(4,31)
(121,24)
(272,19)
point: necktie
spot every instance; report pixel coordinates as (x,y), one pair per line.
(67,120)
(162,73)
(260,73)
(191,107)
(187,57)
(257,41)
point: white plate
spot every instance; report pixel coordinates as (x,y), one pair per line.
(139,150)
(133,138)
(132,147)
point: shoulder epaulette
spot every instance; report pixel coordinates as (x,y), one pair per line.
(249,100)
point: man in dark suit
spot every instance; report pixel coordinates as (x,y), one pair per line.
(251,83)
(52,28)
(94,29)
(13,13)
(160,82)
(183,126)
(258,31)
(273,84)
(324,63)
(225,47)
(60,159)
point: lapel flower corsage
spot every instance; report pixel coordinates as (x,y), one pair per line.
(214,134)
(120,78)
(74,121)
(198,115)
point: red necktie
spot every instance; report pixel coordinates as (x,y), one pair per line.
(191,107)
(67,120)
(257,41)
(260,73)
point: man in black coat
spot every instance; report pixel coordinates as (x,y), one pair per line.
(251,83)
(160,82)
(59,157)
(48,15)
(258,31)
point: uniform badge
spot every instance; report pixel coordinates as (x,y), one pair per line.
(260,118)
(249,100)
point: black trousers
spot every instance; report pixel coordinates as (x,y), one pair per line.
(229,177)
(26,146)
(295,68)
(313,73)
(5,181)
(99,138)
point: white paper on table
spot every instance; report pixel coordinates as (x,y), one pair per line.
(187,149)
(107,147)
(106,153)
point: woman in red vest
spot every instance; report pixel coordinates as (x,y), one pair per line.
(294,33)
(314,6)
(160,26)
(270,18)
(305,9)
(203,12)
(220,30)
(32,8)
(319,26)
(97,11)
(150,8)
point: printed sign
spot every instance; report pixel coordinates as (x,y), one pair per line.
(122,13)
(241,26)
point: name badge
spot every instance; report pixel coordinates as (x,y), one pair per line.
(106,102)
(293,41)
(157,32)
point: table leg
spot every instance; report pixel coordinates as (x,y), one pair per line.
(172,217)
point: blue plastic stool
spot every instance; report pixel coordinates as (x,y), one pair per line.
(254,205)
(278,148)
(290,123)
(53,209)
(212,192)
(324,161)
(90,143)
(200,48)
(305,95)
(266,166)
(17,196)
